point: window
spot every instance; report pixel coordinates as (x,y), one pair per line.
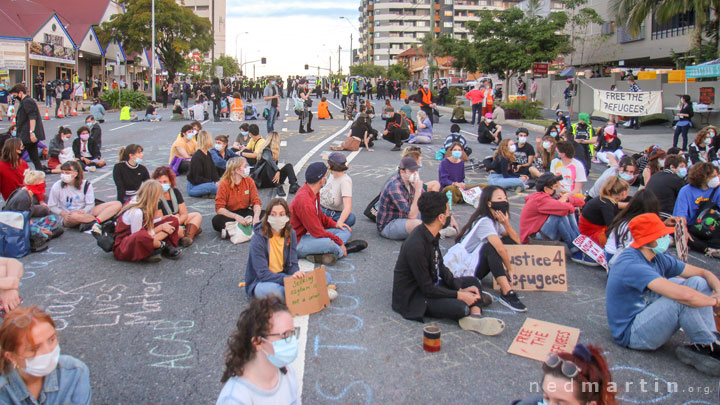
(447,24)
(625,36)
(448,13)
(678,25)
(608,27)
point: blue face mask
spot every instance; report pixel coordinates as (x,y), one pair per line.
(165,187)
(625,176)
(14,133)
(285,352)
(138,161)
(662,245)
(682,172)
(457,154)
(554,134)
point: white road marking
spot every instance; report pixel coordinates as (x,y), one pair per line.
(284,120)
(133,123)
(95,180)
(283,143)
(469,133)
(302,321)
(351,156)
(335,105)
(284,130)
(204,122)
(304,159)
(287,104)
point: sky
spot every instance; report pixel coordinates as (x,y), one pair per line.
(291,33)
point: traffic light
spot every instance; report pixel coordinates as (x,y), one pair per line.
(263,60)
(306,67)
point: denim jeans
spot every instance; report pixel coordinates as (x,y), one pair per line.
(310,245)
(201,189)
(153,117)
(265,289)
(495,179)
(663,316)
(185,100)
(272,115)
(335,215)
(476,109)
(561,228)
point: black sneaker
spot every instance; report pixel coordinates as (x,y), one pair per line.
(512,301)
(294,188)
(86,226)
(170,252)
(396,148)
(280,192)
(705,358)
(155,257)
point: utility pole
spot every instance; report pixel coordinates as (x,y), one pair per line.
(152,54)
(339,63)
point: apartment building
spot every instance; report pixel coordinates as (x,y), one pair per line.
(389,27)
(215,11)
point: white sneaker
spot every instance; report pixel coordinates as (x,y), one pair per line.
(448,232)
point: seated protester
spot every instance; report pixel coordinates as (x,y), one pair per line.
(12,168)
(524,155)
(95,130)
(11,272)
(197,111)
(388,110)
(571,169)
(177,112)
(250,111)
(221,153)
(489,131)
(546,217)
(643,158)
(320,239)
(97,110)
(151,113)
(250,151)
(73,198)
(563,124)
(666,184)
(580,153)
(323,110)
(416,153)
(183,149)
(626,169)
(655,163)
(480,245)
(203,175)
(458,114)
(702,186)
(267,171)
(11,133)
(32,370)
(351,107)
(454,137)
(237,197)
(237,111)
(128,173)
(357,136)
(608,144)
(252,374)
(547,146)
(127,114)
(600,211)
(451,172)
(406,108)
(584,134)
(424,286)
(56,148)
(273,253)
(396,129)
(141,236)
(397,211)
(714,154)
(553,131)
(86,151)
(243,137)
(645,307)
(593,385)
(336,194)
(173,203)
(700,150)
(502,172)
(424,134)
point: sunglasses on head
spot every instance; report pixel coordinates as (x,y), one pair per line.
(568,368)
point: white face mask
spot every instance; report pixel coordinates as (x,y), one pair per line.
(522,139)
(512,148)
(44,364)
(246,171)
(219,147)
(488,120)
(66,178)
(547,145)
(277,223)
(412,178)
(714,182)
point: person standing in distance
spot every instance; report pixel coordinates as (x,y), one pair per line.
(271,95)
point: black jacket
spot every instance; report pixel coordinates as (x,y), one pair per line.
(27,111)
(666,187)
(96,133)
(415,278)
(92,146)
(202,169)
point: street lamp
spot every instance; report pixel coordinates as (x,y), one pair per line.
(351,44)
(236,45)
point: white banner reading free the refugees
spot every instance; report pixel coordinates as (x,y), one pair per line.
(628,104)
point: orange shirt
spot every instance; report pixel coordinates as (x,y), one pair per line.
(239,196)
(323,111)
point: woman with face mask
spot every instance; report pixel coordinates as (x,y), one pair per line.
(703,182)
(424,134)
(31,366)
(11,133)
(202,176)
(451,172)
(172,203)
(502,172)
(221,153)
(273,253)
(183,149)
(129,173)
(547,148)
(87,151)
(12,167)
(700,150)
(600,211)
(56,149)
(257,363)
(480,245)
(237,197)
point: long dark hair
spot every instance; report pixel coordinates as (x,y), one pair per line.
(124,154)
(9,152)
(74,165)
(254,323)
(644,201)
(483,210)
(266,228)
(62,131)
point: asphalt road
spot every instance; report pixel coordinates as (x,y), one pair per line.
(156,333)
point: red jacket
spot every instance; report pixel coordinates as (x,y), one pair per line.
(308,218)
(538,207)
(475,96)
(10,178)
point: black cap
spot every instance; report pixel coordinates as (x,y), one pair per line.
(547,179)
(408,163)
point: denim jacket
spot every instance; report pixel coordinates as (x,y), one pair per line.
(258,269)
(68,384)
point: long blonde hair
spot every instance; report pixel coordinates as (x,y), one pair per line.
(272,141)
(232,165)
(204,140)
(147,199)
(504,151)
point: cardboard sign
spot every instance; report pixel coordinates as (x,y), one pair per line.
(628,104)
(307,295)
(537,268)
(472,196)
(681,239)
(591,249)
(707,95)
(536,339)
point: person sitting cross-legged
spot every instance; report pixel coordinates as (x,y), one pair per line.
(423,286)
(651,294)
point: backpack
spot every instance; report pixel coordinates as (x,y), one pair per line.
(299,104)
(14,233)
(706,224)
(249,110)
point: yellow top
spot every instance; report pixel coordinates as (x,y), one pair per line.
(255,146)
(275,261)
(190,147)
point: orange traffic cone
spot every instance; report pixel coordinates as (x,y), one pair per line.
(60,114)
(14,122)
(74,113)
(47,115)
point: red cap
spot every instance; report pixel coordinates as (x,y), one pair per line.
(647,228)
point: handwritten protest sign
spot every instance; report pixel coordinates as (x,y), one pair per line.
(537,268)
(307,295)
(681,239)
(536,339)
(472,196)
(628,104)
(591,249)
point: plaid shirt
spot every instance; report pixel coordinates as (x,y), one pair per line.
(635,88)
(395,202)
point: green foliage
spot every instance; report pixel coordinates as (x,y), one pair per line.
(367,70)
(230,66)
(527,109)
(177,31)
(136,99)
(453,93)
(398,71)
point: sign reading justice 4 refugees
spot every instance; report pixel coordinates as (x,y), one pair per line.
(628,104)
(536,339)
(308,294)
(537,268)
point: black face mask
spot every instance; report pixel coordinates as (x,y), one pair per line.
(501,206)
